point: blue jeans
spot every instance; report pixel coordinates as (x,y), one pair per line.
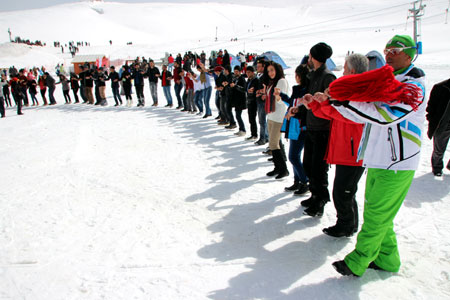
(295,157)
(206,97)
(198,99)
(178,87)
(218,103)
(239,119)
(263,134)
(167,94)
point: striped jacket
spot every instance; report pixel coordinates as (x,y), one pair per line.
(392,136)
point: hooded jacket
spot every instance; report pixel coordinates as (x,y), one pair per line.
(392,134)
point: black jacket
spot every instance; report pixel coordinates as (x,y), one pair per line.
(320,79)
(252,83)
(151,73)
(113,76)
(438,108)
(238,99)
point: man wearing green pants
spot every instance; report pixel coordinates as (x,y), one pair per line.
(390,147)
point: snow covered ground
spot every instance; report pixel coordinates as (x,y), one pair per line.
(153,203)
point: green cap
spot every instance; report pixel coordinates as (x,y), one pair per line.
(403,41)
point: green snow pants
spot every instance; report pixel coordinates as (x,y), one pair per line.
(385,192)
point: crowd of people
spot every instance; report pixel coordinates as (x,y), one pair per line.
(367,119)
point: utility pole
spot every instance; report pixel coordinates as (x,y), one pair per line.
(446,12)
(416,13)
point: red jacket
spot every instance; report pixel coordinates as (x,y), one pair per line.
(189,83)
(170,59)
(219,60)
(344,137)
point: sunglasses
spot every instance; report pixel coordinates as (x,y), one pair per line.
(396,51)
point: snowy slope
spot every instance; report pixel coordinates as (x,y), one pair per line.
(127,203)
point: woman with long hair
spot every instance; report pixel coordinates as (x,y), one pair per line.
(275,110)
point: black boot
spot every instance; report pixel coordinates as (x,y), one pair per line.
(283,152)
(308,202)
(279,160)
(293,187)
(275,171)
(316,209)
(339,231)
(342,268)
(302,189)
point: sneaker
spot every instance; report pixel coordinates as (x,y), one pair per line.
(179,107)
(240,133)
(251,138)
(223,123)
(338,231)
(260,142)
(217,118)
(205,116)
(342,268)
(303,188)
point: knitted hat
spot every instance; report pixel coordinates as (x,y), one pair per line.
(321,52)
(403,41)
(218,69)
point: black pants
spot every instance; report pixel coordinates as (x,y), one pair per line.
(140,94)
(2,107)
(52,99)
(344,195)
(18,101)
(252,113)
(83,94)
(314,163)
(223,108)
(25,96)
(127,91)
(98,99)
(43,96)
(75,94)
(116,94)
(7,97)
(67,96)
(440,142)
(229,110)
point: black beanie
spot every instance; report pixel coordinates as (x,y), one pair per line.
(321,52)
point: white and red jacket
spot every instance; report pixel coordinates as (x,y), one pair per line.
(392,136)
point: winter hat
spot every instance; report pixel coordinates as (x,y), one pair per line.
(218,69)
(321,52)
(403,41)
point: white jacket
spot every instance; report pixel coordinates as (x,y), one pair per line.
(280,106)
(393,134)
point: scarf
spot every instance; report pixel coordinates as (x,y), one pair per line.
(269,105)
(377,85)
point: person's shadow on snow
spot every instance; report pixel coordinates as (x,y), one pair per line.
(248,232)
(427,188)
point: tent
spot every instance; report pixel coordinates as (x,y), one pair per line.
(376,60)
(330,63)
(273,56)
(234,61)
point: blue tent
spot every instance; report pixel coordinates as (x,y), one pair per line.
(330,63)
(376,60)
(273,56)
(234,61)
